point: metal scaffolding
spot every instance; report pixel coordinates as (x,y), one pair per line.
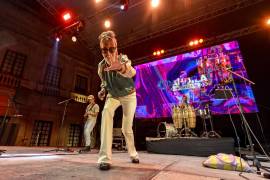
(207,42)
(195,16)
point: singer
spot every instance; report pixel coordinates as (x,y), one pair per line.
(115,72)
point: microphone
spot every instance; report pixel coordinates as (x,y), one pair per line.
(65,101)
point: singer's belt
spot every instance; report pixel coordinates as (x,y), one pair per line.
(129,93)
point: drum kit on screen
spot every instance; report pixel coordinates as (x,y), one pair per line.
(184,122)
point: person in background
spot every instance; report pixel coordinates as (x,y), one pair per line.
(90,114)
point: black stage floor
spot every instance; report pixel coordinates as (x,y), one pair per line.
(191,146)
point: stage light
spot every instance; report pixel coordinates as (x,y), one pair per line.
(74,38)
(124,5)
(107,24)
(268,21)
(154,3)
(97,1)
(158,52)
(57,36)
(195,42)
(66,16)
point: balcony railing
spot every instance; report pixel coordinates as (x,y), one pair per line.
(9,80)
(78,97)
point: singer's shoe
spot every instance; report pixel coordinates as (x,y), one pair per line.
(85,149)
(135,160)
(104,166)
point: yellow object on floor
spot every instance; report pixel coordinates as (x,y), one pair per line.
(227,162)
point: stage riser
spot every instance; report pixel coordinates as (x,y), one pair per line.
(190,146)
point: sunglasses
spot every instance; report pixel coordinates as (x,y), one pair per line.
(110,49)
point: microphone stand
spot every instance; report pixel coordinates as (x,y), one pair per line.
(5,119)
(3,124)
(61,127)
(256,162)
(65,101)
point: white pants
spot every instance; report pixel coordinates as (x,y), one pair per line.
(88,127)
(128,103)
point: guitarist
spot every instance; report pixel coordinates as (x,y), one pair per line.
(90,114)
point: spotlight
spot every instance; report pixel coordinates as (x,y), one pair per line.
(124,5)
(66,16)
(107,24)
(268,21)
(58,37)
(158,52)
(97,1)
(154,3)
(195,42)
(74,38)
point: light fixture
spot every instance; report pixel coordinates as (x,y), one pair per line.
(57,37)
(66,16)
(124,5)
(107,24)
(158,52)
(74,38)
(268,21)
(154,3)
(195,42)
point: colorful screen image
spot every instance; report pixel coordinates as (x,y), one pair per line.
(212,77)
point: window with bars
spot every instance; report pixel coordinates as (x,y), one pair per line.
(13,63)
(74,135)
(53,75)
(41,133)
(81,84)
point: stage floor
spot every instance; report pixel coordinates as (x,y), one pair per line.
(33,163)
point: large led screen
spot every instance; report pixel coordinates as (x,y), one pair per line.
(206,76)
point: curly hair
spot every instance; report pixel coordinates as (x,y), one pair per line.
(106,35)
